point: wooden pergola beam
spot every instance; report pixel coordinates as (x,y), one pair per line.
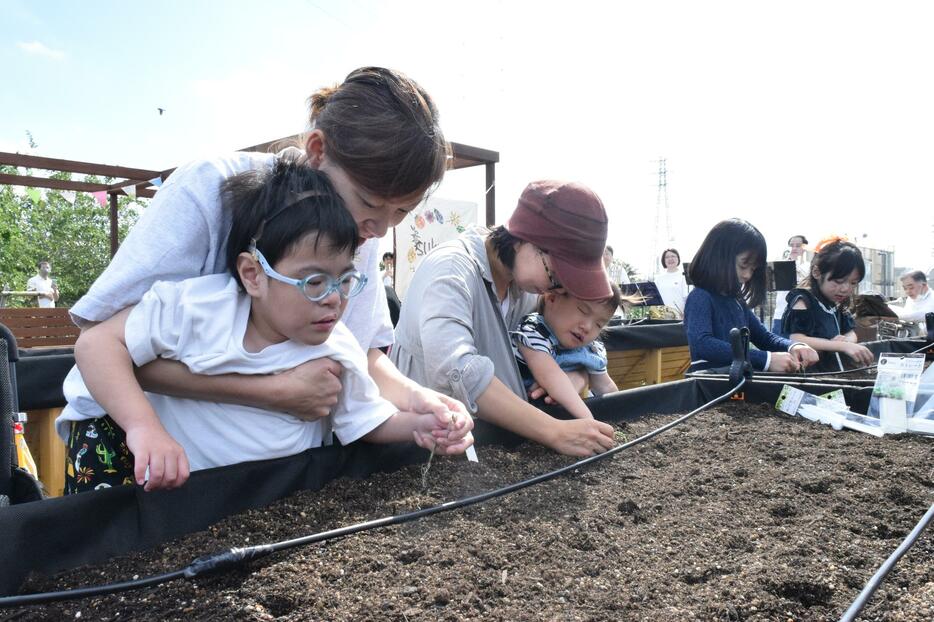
(77,186)
(72,166)
(463,156)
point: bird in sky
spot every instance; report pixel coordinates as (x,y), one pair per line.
(161,110)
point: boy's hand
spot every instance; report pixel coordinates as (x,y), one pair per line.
(447,435)
(152,447)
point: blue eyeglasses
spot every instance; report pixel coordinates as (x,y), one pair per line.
(317,287)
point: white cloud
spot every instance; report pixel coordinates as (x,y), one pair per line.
(37,48)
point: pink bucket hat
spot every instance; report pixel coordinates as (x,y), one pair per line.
(567,220)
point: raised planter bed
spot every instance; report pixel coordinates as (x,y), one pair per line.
(739,514)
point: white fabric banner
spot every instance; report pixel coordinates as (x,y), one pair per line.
(432,223)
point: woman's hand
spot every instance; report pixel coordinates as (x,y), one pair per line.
(783,362)
(578,380)
(308,391)
(804,355)
(581,437)
(423,400)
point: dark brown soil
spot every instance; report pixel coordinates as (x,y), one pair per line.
(739,514)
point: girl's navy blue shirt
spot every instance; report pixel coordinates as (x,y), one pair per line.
(708,319)
(818,320)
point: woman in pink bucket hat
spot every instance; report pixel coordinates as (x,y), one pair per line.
(452,334)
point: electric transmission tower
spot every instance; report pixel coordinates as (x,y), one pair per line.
(662,216)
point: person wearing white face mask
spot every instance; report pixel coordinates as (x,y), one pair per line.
(918,298)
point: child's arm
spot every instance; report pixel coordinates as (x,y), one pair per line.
(601,384)
(449,435)
(552,378)
(107,369)
(861,354)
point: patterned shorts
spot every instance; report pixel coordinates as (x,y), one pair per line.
(97,456)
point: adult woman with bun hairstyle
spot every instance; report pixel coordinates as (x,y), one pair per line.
(466,295)
(376,136)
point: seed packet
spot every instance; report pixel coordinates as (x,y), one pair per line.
(893,395)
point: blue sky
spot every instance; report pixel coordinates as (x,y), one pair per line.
(803,117)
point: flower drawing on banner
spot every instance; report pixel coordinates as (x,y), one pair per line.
(411,257)
(439,217)
(429,216)
(419,221)
(456,222)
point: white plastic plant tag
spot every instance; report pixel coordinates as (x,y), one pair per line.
(895,390)
(789,399)
(835,396)
(471,454)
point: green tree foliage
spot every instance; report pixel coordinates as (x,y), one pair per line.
(73,236)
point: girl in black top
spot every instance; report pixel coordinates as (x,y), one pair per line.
(816,312)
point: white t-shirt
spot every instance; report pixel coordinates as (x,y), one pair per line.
(43,286)
(183,234)
(674,289)
(201,322)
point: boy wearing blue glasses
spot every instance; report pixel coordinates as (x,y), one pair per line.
(290,256)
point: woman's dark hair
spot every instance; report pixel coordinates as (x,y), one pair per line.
(714,266)
(278,206)
(804,240)
(504,243)
(834,260)
(665,252)
(382,129)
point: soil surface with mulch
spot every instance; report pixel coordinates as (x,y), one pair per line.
(739,514)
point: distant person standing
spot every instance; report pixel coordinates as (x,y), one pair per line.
(389,269)
(671,282)
(43,283)
(795,253)
(615,269)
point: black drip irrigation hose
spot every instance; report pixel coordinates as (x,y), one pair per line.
(886,567)
(226,560)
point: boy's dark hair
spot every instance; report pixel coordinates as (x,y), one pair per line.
(835,260)
(714,266)
(388,255)
(382,130)
(42,261)
(280,205)
(665,252)
(504,244)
